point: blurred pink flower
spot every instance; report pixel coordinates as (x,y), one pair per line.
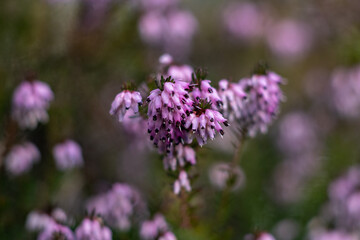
(21,158)
(56,231)
(244,20)
(289,39)
(297,134)
(345,86)
(68,155)
(31,100)
(116,206)
(92,229)
(172,31)
(154,228)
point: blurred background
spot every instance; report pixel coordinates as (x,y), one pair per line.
(86,49)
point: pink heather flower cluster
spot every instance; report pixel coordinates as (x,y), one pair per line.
(68,155)
(287,38)
(21,158)
(48,225)
(156,229)
(184,106)
(341,211)
(123,102)
(30,102)
(253,102)
(300,147)
(164,25)
(92,229)
(117,206)
(51,226)
(244,20)
(344,204)
(56,231)
(345,86)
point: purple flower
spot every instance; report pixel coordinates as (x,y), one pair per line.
(124,101)
(180,157)
(166,59)
(156,228)
(181,72)
(205,123)
(21,158)
(232,96)
(345,86)
(289,39)
(244,20)
(182,182)
(37,221)
(68,155)
(167,109)
(297,134)
(263,102)
(222,175)
(55,231)
(344,194)
(171,30)
(31,100)
(92,229)
(116,206)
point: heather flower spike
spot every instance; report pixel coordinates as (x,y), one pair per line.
(21,158)
(30,103)
(92,228)
(68,155)
(124,101)
(205,122)
(156,229)
(182,182)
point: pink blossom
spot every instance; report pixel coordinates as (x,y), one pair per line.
(92,229)
(289,39)
(182,182)
(123,102)
(56,231)
(31,100)
(116,206)
(68,155)
(21,158)
(244,20)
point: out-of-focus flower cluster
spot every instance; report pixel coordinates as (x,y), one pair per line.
(117,206)
(339,218)
(156,229)
(250,22)
(345,86)
(299,143)
(30,103)
(164,25)
(21,158)
(68,155)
